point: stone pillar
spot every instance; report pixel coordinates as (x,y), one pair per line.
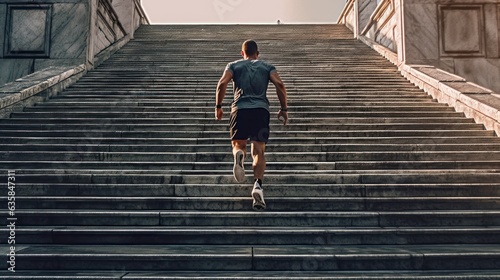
(399,31)
(420,32)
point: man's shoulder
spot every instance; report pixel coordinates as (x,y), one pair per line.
(236,62)
(265,62)
(240,63)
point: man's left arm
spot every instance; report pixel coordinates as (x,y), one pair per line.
(221,93)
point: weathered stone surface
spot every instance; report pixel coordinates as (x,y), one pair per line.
(467,88)
(36,83)
(460,37)
(69,35)
(3,11)
(58,33)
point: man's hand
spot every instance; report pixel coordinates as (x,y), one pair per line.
(283,117)
(219,113)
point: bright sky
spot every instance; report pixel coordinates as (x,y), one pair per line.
(243,11)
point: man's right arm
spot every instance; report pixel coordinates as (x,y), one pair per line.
(282,95)
(221,92)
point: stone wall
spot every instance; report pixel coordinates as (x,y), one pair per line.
(461,37)
(458,36)
(36,36)
(448,48)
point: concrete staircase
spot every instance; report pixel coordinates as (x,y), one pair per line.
(126,175)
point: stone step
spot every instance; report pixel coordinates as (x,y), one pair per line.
(423,218)
(208,80)
(156,96)
(417,107)
(269,258)
(166,235)
(224,134)
(192,121)
(186,166)
(127,189)
(275,203)
(181,58)
(132,100)
(389,177)
(208,84)
(369,62)
(216,126)
(219,148)
(272,168)
(302,106)
(275,140)
(153,95)
(209,114)
(270,156)
(264,275)
(54,168)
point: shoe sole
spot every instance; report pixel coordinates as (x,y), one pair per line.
(258,202)
(238,169)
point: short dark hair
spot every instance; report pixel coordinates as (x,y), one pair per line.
(250,47)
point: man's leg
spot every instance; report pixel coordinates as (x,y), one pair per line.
(259,167)
(259,160)
(239,153)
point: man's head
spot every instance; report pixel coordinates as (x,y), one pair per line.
(250,49)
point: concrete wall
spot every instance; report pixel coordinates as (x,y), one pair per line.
(61,32)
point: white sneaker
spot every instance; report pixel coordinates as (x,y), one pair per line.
(239,169)
(258,197)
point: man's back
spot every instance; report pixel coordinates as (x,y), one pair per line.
(251,80)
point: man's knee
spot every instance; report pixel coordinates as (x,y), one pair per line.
(239,145)
(258,148)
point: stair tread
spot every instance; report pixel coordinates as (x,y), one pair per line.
(248,275)
(139,251)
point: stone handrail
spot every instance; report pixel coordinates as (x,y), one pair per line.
(37,87)
(110,17)
(144,19)
(380,27)
(347,16)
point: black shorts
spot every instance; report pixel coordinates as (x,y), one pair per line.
(250,124)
